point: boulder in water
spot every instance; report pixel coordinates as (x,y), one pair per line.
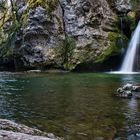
(125,91)
(136,88)
(123,94)
(128,91)
(10,130)
(128,87)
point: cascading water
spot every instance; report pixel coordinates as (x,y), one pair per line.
(129,60)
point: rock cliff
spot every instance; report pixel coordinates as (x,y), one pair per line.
(48,28)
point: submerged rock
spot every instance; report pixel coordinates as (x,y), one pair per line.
(12,131)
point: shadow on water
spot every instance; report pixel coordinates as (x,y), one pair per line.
(73,106)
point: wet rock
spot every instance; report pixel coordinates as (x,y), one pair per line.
(51,135)
(124,94)
(136,88)
(12,126)
(128,87)
(9,135)
(128,90)
(12,131)
(89,22)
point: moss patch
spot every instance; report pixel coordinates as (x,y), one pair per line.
(49,5)
(65,53)
(87,54)
(114,46)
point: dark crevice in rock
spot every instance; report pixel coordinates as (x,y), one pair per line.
(111,64)
(63,20)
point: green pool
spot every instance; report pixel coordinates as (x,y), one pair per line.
(76,106)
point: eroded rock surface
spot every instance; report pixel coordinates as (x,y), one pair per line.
(42,33)
(128,91)
(12,131)
(91,23)
(123,6)
(86,20)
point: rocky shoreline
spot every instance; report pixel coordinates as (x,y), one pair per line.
(10,130)
(128,91)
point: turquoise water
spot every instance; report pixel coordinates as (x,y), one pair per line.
(73,106)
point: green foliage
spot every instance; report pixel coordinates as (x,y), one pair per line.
(87,53)
(7,47)
(2,5)
(49,5)
(125,25)
(114,47)
(66,52)
(130,21)
(10,27)
(3,37)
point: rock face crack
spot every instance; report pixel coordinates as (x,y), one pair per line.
(89,22)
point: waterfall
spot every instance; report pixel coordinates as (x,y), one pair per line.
(129,60)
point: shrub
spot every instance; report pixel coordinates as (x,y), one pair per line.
(66,52)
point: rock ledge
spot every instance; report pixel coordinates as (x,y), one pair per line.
(12,131)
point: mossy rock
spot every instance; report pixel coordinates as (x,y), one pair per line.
(114,46)
(126,24)
(87,53)
(49,5)
(130,21)
(137,13)
(65,53)
(111,3)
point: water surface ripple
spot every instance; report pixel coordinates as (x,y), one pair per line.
(73,106)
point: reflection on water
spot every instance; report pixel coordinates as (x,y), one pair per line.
(74,106)
(128,79)
(133,105)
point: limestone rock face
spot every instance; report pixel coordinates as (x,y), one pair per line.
(91,23)
(86,19)
(43,32)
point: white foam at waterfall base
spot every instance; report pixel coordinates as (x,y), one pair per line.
(123,72)
(128,63)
